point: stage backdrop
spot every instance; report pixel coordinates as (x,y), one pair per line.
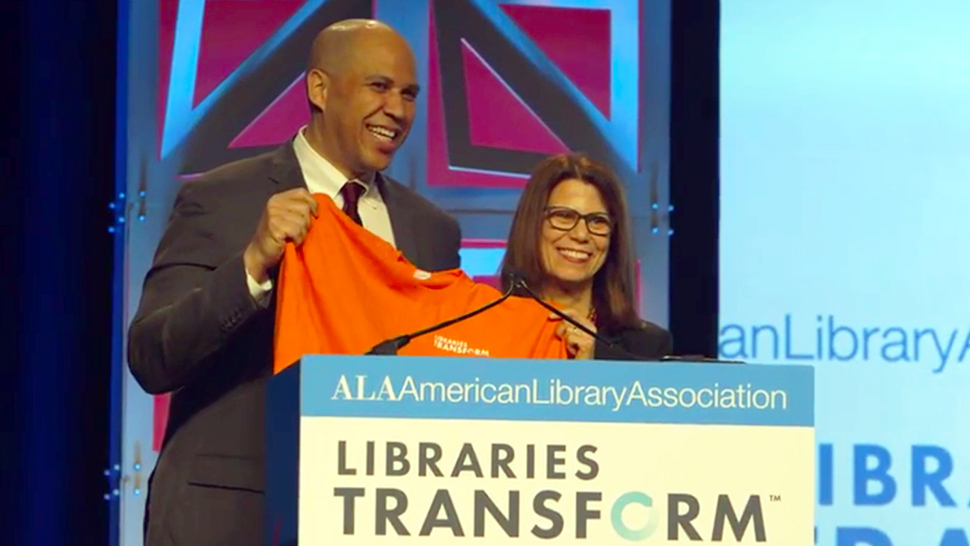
(845,132)
(505,84)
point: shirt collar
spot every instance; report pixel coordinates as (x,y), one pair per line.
(320,174)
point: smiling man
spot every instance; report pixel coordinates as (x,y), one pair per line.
(204,326)
(362,74)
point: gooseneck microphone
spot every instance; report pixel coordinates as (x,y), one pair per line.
(699,359)
(518,281)
(393,345)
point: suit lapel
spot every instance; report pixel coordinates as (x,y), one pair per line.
(402,218)
(285,169)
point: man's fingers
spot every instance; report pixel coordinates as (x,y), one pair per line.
(303,202)
(299,214)
(302,195)
(296,223)
(287,217)
(290,222)
(299,236)
(278,231)
(298,199)
(313,204)
(287,227)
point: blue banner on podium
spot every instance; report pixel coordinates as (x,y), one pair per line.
(395,450)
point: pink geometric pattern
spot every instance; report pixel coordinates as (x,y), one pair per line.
(483,243)
(439,171)
(231,31)
(279,121)
(159,419)
(577,40)
(497,118)
(495,281)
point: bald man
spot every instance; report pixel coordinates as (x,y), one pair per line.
(204,326)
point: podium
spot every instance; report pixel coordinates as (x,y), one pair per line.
(371,450)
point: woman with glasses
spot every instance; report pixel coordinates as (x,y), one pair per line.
(570,242)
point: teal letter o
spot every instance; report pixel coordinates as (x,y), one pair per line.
(616,516)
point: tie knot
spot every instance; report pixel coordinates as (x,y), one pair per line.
(351,192)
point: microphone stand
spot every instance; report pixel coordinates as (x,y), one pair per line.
(699,359)
(518,281)
(393,345)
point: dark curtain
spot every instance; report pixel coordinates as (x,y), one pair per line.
(694,176)
(58,177)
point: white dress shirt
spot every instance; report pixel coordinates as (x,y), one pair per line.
(322,177)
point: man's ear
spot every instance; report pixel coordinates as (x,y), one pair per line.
(317,88)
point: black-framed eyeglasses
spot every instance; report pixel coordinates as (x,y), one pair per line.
(565,219)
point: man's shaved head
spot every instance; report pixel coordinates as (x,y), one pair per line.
(362,87)
(335,46)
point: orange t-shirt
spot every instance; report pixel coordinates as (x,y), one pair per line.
(345,290)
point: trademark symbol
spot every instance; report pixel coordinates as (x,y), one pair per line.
(774,498)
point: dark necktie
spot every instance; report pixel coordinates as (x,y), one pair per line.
(351,193)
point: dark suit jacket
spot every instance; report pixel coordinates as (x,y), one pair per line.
(199,334)
(649,341)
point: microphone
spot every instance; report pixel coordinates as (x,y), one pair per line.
(393,345)
(699,359)
(519,281)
